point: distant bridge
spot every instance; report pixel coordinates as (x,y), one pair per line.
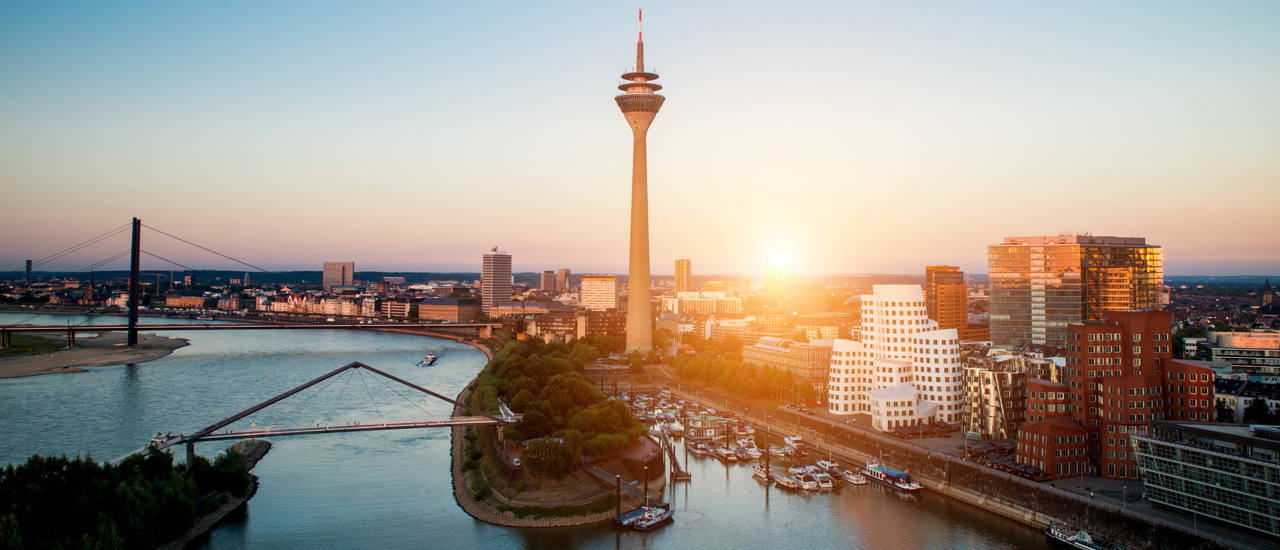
(484,330)
(217,431)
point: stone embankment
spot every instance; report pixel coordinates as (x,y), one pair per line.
(253,451)
(1009,496)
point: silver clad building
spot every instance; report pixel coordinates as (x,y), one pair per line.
(1227,472)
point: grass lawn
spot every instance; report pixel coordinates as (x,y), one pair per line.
(24,344)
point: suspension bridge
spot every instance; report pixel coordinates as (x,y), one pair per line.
(135,253)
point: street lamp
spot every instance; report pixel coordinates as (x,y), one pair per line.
(1124,490)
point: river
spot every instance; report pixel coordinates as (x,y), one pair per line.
(392,489)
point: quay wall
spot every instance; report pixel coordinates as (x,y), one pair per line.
(1006,495)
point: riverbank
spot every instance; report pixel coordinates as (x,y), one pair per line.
(253,451)
(1011,497)
(108,348)
(484,512)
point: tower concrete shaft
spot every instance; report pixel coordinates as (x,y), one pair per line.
(639,106)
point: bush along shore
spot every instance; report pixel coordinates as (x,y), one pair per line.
(144,502)
(565,417)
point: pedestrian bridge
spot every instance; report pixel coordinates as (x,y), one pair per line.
(221,430)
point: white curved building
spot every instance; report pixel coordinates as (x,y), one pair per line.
(900,349)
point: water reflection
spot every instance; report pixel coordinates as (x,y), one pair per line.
(393,489)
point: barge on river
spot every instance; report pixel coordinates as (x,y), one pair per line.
(1080,539)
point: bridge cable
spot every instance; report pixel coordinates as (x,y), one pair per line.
(308,399)
(411,402)
(91,267)
(329,421)
(210,250)
(371,399)
(70,250)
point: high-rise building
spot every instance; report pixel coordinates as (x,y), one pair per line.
(1039,285)
(338,274)
(599,292)
(777,274)
(639,105)
(805,298)
(548,282)
(562,279)
(684,275)
(1119,377)
(935,276)
(495,278)
(904,371)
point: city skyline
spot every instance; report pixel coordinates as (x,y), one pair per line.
(971,123)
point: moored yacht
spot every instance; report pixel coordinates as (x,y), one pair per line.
(852,478)
(761,471)
(893,479)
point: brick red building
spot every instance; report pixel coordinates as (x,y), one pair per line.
(1057,446)
(1189,391)
(1045,398)
(1117,381)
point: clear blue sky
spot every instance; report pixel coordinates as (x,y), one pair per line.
(865,136)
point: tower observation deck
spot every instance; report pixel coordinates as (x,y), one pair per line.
(639,104)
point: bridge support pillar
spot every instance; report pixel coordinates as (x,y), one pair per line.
(486,331)
(71,338)
(5,342)
(191,456)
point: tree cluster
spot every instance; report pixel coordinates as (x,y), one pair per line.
(741,377)
(543,381)
(62,503)
(1259,413)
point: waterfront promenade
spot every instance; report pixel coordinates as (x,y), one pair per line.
(937,464)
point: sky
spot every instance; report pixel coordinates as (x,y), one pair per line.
(867,137)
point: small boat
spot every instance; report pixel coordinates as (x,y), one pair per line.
(852,478)
(700,449)
(797,469)
(827,465)
(824,482)
(787,483)
(893,479)
(762,472)
(807,482)
(645,517)
(794,441)
(1080,539)
(777,452)
(427,361)
(726,454)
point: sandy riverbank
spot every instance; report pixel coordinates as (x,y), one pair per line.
(107,348)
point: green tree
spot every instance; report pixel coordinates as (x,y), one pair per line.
(636,361)
(554,457)
(1258,413)
(1225,413)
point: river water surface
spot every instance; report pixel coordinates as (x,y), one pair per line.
(392,489)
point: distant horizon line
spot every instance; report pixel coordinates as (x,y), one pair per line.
(477,272)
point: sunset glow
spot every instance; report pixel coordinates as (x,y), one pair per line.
(867,137)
